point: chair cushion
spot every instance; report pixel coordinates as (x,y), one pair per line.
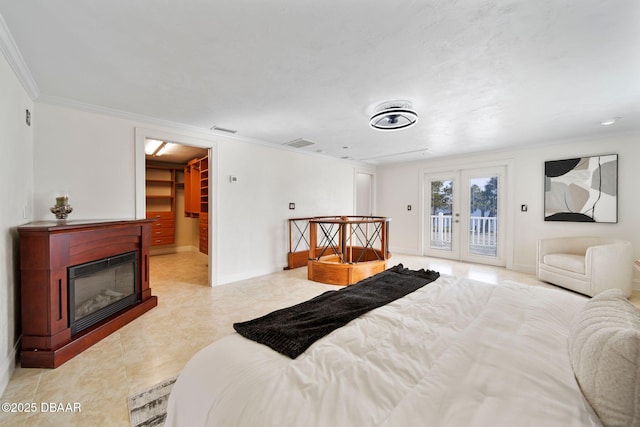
(604,349)
(569,262)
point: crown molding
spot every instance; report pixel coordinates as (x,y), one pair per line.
(140,118)
(16,61)
(203,132)
(11,52)
(143,119)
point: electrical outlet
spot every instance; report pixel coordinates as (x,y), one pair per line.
(292,206)
(408,207)
(523,208)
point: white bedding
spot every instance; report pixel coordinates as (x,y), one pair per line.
(454,353)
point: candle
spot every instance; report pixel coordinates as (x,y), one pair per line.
(62,201)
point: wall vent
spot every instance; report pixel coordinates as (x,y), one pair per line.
(298,143)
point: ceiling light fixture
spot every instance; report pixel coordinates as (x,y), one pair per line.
(162,149)
(393,115)
(154,147)
(610,121)
(151,145)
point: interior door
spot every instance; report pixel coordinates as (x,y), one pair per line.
(464,215)
(364,194)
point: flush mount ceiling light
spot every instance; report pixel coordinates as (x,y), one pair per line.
(151,145)
(393,115)
(609,122)
(154,147)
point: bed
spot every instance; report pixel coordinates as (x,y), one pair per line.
(455,352)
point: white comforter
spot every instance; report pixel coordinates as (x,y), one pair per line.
(454,353)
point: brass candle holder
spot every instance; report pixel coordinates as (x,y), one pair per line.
(62,209)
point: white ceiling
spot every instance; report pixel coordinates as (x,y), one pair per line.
(481,74)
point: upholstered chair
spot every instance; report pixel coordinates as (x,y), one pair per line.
(588,265)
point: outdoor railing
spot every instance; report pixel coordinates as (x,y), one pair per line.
(482,230)
(441,228)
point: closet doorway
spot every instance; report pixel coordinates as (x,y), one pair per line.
(465,215)
(175,186)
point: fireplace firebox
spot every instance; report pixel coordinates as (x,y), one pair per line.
(101,288)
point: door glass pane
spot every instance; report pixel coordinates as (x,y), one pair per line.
(483,224)
(441,224)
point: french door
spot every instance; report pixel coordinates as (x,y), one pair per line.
(465,215)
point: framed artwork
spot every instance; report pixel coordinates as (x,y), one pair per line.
(583,189)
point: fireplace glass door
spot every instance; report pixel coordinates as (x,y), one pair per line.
(101,288)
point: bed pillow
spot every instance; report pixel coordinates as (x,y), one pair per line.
(604,348)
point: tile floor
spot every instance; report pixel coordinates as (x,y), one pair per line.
(189,316)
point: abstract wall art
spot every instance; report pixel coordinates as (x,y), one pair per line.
(583,189)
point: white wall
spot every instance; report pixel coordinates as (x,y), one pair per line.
(253,211)
(91,157)
(400,185)
(16,193)
(88,156)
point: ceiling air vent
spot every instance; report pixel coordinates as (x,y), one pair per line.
(220,129)
(298,143)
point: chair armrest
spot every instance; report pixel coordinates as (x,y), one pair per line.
(610,266)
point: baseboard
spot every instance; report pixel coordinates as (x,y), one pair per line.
(168,249)
(403,251)
(189,248)
(524,268)
(230,278)
(8,367)
(162,250)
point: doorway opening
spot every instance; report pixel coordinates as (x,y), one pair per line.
(177,179)
(364,194)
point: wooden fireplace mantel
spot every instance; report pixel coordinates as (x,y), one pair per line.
(47,248)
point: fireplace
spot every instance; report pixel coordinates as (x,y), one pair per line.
(80,282)
(101,288)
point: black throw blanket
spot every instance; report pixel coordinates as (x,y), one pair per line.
(292,330)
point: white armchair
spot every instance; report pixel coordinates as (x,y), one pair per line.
(588,265)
